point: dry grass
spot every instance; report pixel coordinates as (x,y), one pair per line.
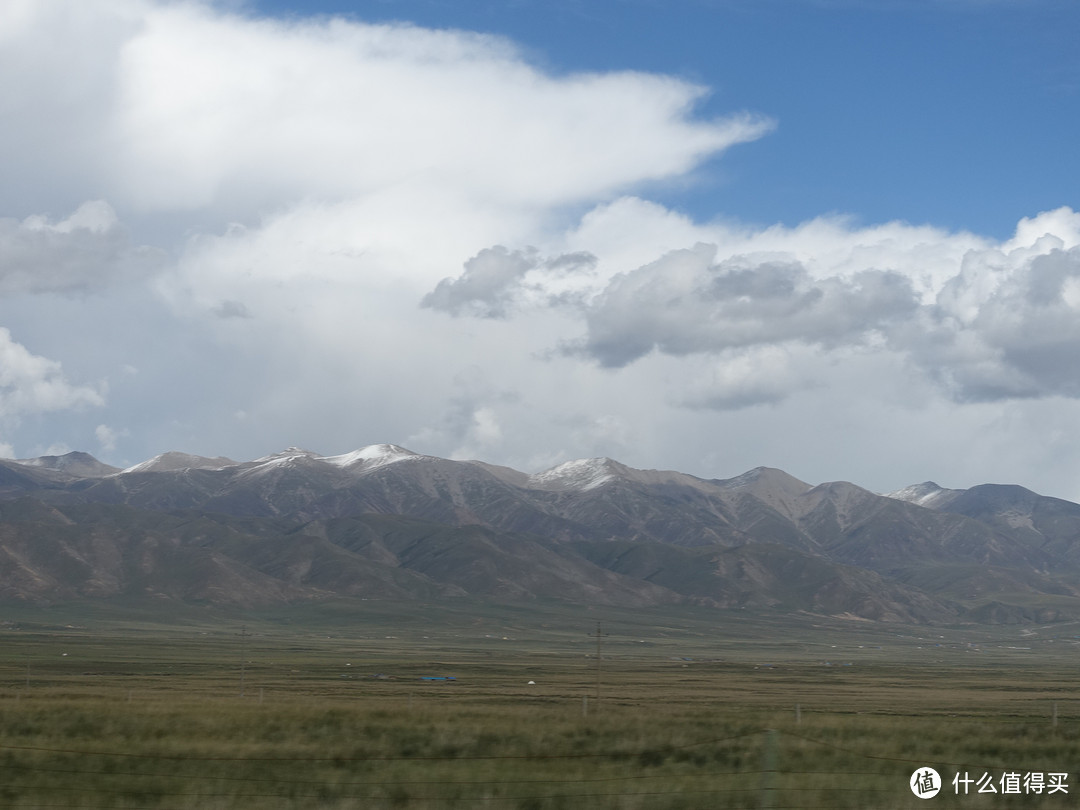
(112,715)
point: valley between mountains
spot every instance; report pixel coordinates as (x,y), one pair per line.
(386,523)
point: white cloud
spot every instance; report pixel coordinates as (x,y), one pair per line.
(686,303)
(486,286)
(181,106)
(1019,339)
(87,251)
(214,106)
(58,73)
(108,437)
(497,279)
(985,321)
(470,425)
(758,375)
(30,384)
(385,233)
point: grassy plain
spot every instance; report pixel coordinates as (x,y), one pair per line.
(326,706)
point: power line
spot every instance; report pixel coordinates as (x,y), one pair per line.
(470,782)
(196,758)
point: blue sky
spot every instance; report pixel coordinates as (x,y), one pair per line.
(841,238)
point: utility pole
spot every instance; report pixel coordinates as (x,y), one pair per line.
(243,656)
(599,635)
(768,771)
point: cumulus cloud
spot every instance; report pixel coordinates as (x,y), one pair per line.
(758,375)
(1018,336)
(345,213)
(314,179)
(108,437)
(985,321)
(486,286)
(87,251)
(32,384)
(496,278)
(195,107)
(996,322)
(470,425)
(210,102)
(686,303)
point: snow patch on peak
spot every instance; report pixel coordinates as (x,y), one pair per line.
(925,494)
(747,478)
(765,475)
(372,456)
(581,474)
(769,482)
(171,461)
(287,454)
(76,463)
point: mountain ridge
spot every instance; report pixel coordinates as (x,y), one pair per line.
(761,539)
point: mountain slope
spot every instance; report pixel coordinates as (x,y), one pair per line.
(1051,525)
(385,522)
(49,553)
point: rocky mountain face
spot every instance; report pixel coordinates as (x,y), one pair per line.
(384,522)
(1051,524)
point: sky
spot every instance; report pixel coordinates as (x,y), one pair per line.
(837,237)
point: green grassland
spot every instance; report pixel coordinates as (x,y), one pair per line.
(325,706)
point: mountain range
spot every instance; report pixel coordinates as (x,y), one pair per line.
(386,523)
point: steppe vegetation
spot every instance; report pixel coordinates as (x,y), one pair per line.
(327,707)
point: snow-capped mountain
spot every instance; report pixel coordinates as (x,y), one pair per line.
(173,461)
(1052,524)
(582,475)
(372,456)
(78,465)
(298,524)
(926,494)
